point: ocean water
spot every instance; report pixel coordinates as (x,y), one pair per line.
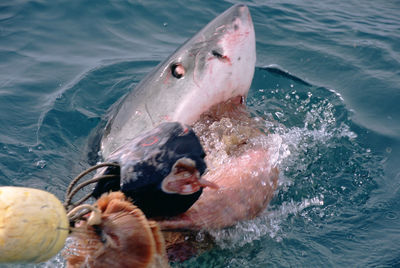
(327,82)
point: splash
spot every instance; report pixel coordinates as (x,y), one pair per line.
(269,223)
(322,165)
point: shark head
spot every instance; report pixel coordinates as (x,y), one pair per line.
(214,66)
(217,64)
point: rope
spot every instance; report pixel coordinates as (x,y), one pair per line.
(84,173)
(94,218)
(74,208)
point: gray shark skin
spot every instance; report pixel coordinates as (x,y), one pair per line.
(215,65)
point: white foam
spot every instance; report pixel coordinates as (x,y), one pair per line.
(269,223)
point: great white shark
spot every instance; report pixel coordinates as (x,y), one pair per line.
(209,76)
(214,66)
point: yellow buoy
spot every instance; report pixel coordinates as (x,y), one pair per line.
(33,225)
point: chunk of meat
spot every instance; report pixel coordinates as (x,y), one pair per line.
(246,185)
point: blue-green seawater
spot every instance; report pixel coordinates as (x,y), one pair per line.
(327,81)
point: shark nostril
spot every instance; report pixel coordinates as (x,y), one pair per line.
(220,56)
(217,54)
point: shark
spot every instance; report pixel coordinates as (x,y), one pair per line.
(205,80)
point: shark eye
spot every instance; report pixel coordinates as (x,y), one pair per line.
(177,70)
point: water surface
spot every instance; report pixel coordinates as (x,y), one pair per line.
(327,82)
